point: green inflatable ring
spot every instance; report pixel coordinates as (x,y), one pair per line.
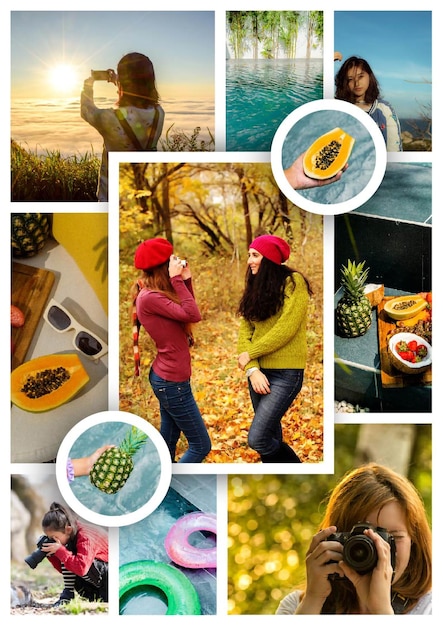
(179,591)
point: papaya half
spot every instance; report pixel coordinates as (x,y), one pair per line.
(328,154)
(405,307)
(46,382)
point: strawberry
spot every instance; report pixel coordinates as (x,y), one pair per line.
(412,351)
(402,346)
(17,316)
(422,351)
(406,355)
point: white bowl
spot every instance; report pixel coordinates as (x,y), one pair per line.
(406,366)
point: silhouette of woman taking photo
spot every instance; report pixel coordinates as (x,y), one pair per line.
(136,123)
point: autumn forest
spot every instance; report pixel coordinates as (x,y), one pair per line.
(211,212)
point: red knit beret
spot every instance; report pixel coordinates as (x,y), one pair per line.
(273,248)
(152,252)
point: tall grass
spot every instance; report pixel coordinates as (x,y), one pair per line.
(55,178)
(52,177)
(176,140)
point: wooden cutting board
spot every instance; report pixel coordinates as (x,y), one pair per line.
(30,289)
(391,377)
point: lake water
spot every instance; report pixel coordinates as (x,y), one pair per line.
(260,94)
(55,125)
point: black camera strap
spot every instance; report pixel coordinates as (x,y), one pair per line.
(133,137)
(399,603)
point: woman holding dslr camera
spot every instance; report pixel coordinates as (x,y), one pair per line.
(137,121)
(397,583)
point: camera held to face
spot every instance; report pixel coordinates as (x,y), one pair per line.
(359,550)
(183,263)
(38,555)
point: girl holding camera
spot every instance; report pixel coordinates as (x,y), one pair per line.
(272,343)
(166,308)
(137,121)
(79,552)
(399,583)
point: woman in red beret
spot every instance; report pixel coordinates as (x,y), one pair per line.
(166,308)
(272,343)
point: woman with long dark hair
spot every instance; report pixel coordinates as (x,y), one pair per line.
(272,343)
(136,122)
(355,82)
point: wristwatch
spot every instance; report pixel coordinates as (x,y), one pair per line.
(250,370)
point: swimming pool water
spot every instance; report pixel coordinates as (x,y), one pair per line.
(261,93)
(141,484)
(361,162)
(145,540)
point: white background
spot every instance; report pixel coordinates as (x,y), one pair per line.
(219,6)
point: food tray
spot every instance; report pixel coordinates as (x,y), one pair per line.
(390,376)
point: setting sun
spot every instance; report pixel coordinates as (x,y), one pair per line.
(63,77)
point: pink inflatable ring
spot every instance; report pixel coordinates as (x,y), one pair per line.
(177,543)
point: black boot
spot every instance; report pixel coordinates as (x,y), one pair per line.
(65,597)
(271,458)
(285,454)
(288,454)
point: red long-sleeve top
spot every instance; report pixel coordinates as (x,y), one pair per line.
(91,543)
(165,322)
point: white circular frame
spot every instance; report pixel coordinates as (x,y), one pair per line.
(127,518)
(339,207)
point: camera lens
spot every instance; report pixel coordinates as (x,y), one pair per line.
(38,555)
(35,558)
(360,553)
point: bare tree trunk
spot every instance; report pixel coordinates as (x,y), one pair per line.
(33,502)
(387,444)
(166,209)
(245,204)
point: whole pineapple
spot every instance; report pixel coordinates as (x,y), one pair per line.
(353,309)
(113,467)
(29,233)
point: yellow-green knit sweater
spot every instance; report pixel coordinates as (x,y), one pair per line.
(279,342)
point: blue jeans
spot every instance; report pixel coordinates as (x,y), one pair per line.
(179,413)
(265,434)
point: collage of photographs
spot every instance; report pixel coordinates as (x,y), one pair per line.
(220,225)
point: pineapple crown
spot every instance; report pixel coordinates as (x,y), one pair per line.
(354,277)
(133,441)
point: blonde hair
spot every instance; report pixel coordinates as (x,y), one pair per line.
(369,488)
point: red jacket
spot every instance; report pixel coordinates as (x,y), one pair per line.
(90,543)
(165,321)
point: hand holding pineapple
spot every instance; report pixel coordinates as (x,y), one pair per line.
(113,467)
(83,465)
